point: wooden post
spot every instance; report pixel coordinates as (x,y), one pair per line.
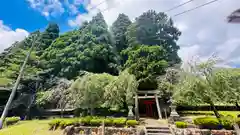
(165,111)
(103,128)
(158,107)
(136,107)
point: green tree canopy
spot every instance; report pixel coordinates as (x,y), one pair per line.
(84,49)
(152,28)
(119,28)
(146,63)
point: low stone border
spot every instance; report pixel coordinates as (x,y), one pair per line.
(197,131)
(71,130)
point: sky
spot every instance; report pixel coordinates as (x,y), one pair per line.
(205,30)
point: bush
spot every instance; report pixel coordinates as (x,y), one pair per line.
(237,121)
(92,121)
(213,123)
(54,123)
(86,120)
(96,122)
(12,120)
(108,121)
(67,122)
(132,123)
(227,123)
(181,124)
(119,121)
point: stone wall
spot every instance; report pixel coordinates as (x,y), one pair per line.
(71,130)
(196,131)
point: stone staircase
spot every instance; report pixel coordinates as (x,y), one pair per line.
(161,130)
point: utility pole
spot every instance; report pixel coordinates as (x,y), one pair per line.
(5,111)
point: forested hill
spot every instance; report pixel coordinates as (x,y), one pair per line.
(146,47)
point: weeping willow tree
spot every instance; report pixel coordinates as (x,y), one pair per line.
(103,90)
(206,83)
(197,85)
(88,91)
(120,92)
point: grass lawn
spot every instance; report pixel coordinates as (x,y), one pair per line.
(34,127)
(224,113)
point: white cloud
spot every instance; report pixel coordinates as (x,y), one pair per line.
(47,7)
(55,8)
(9,36)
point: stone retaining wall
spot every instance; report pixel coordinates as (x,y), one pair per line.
(196,131)
(71,130)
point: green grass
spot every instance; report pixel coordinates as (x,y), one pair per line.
(4,81)
(34,127)
(224,113)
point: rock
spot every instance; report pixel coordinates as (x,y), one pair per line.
(69,130)
(221,132)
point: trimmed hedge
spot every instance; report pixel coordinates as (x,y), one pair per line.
(132,123)
(91,121)
(118,122)
(108,121)
(96,122)
(181,124)
(11,120)
(67,122)
(54,123)
(238,121)
(214,123)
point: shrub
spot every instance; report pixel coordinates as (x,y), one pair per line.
(227,123)
(238,121)
(96,122)
(181,124)
(207,122)
(213,123)
(86,120)
(119,121)
(12,120)
(67,122)
(108,121)
(54,123)
(132,123)
(62,124)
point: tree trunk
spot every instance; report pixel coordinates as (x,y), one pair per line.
(214,110)
(238,107)
(92,111)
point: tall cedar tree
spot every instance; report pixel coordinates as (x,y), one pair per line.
(119,28)
(152,47)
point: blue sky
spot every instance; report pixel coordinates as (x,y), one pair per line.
(18,14)
(204,30)
(21,14)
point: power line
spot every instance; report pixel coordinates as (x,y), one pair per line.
(178,6)
(196,7)
(210,2)
(95,6)
(102,2)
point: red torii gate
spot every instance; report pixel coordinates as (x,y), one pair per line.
(153,96)
(148,104)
